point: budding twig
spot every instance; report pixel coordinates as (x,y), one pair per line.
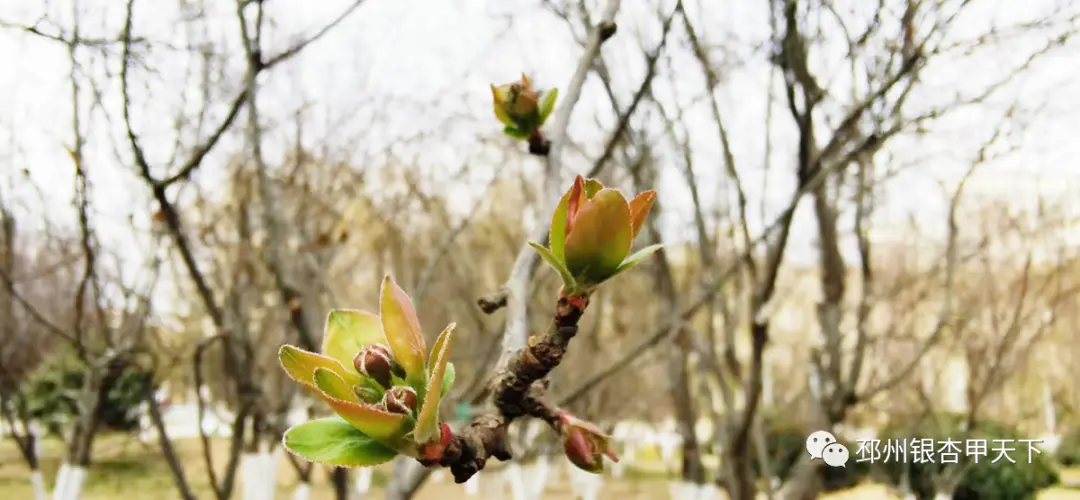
(512,293)
(518,392)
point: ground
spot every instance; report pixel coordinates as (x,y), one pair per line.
(124,465)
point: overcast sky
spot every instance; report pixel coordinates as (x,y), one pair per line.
(444,53)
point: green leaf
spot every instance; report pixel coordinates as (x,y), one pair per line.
(333,441)
(348,331)
(448,379)
(333,385)
(427,423)
(592,186)
(638,256)
(547,104)
(516,133)
(301,365)
(557,234)
(568,279)
(402,329)
(600,238)
(372,421)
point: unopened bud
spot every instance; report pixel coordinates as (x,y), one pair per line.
(584,444)
(400,399)
(376,362)
(367,394)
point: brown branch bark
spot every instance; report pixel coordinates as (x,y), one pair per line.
(175,467)
(516,394)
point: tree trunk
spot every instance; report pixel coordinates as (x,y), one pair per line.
(72,477)
(408,476)
(175,467)
(692,469)
(339,479)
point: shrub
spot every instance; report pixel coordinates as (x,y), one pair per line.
(984,479)
(786,442)
(54,388)
(1068,452)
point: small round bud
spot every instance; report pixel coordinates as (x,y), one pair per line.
(400,399)
(584,444)
(376,362)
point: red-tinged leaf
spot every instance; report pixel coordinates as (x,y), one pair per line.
(333,441)
(640,207)
(584,444)
(427,423)
(348,331)
(301,365)
(374,422)
(601,237)
(580,452)
(402,329)
(333,385)
(576,198)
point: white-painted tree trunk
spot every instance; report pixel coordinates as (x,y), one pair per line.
(669,443)
(511,476)
(76,480)
(38,483)
(1049,408)
(249,472)
(146,424)
(472,486)
(363,481)
(679,490)
(535,478)
(302,492)
(268,474)
(685,490)
(709,491)
(61,482)
(585,485)
(618,469)
(491,486)
(258,472)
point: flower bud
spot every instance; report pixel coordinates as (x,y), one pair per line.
(584,444)
(522,108)
(367,394)
(376,362)
(592,232)
(400,399)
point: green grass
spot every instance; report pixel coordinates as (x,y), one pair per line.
(123,467)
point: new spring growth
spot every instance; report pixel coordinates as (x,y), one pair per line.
(584,444)
(376,362)
(592,231)
(375,372)
(400,399)
(523,109)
